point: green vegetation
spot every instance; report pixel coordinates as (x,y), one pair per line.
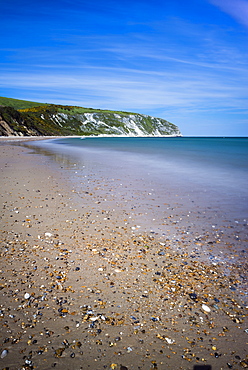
(18,104)
(29,106)
(81,110)
(69,109)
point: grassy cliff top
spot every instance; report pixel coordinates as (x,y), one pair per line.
(29,106)
(18,104)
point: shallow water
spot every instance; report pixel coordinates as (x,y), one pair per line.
(199,182)
(214,169)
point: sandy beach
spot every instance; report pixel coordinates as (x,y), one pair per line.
(83,288)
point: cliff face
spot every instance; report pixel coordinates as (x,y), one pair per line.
(12,123)
(50,120)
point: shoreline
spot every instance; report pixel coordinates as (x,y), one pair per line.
(34,138)
(80,287)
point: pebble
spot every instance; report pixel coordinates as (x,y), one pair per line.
(205,308)
(59,352)
(169,341)
(48,235)
(26,295)
(4,353)
(193,296)
(244,364)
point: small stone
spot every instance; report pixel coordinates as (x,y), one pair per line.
(66,343)
(169,341)
(161,253)
(26,295)
(205,308)
(59,352)
(155,319)
(193,296)
(4,353)
(244,364)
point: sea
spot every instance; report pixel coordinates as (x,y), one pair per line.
(199,184)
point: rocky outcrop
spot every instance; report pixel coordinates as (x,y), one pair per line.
(12,123)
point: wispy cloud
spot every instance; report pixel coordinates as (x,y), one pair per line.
(125,89)
(238,9)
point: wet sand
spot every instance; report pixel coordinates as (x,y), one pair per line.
(84,288)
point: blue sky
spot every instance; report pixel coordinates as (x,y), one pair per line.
(182,60)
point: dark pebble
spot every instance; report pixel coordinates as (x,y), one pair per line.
(217,355)
(193,296)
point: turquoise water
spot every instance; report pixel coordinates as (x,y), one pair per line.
(231,153)
(205,174)
(220,163)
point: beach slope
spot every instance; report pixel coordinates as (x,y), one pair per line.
(80,291)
